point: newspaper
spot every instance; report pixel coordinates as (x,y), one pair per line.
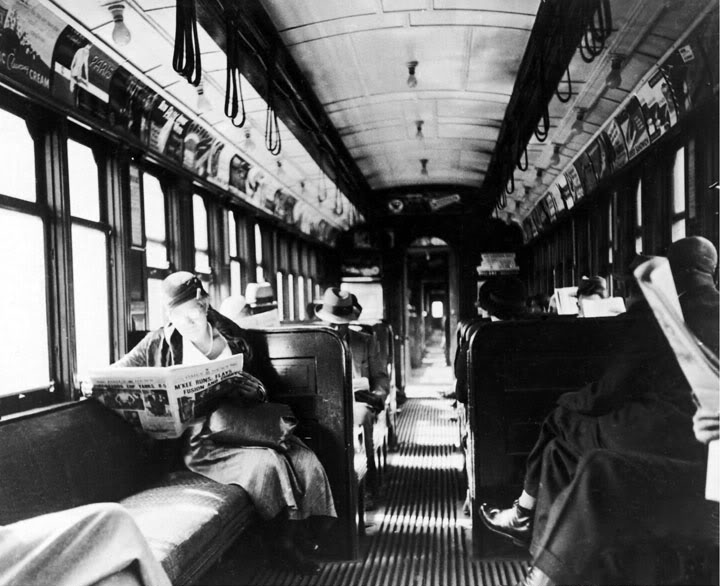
(566,300)
(698,365)
(164,401)
(602,307)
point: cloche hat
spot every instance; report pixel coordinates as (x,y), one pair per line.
(503,297)
(180,287)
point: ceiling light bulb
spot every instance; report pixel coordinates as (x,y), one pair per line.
(412,80)
(579,125)
(423,169)
(121,33)
(248,142)
(538,177)
(614,79)
(419,125)
(555,159)
(203,104)
(280,170)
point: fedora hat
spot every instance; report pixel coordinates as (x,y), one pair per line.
(260,295)
(503,297)
(337,307)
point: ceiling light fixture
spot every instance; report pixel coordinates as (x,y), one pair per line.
(280,170)
(555,158)
(249,143)
(411,80)
(419,125)
(423,168)
(579,125)
(614,79)
(203,104)
(538,177)
(120,34)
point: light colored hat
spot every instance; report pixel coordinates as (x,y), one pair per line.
(260,295)
(337,307)
(180,287)
(234,307)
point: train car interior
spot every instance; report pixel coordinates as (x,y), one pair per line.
(379,204)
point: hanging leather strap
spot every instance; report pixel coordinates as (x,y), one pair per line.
(234,101)
(186,55)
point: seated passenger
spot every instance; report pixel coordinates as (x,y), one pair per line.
(503,298)
(338,309)
(590,289)
(288,487)
(641,404)
(235,308)
(616,504)
(92,545)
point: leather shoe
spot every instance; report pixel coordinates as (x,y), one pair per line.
(514,523)
(536,577)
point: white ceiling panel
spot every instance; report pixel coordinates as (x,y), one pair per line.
(296,13)
(495,61)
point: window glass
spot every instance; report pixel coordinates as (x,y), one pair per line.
(232,234)
(17,154)
(24,360)
(156,318)
(291,296)
(83,181)
(280,294)
(300,297)
(200,231)
(679,182)
(258,246)
(436,309)
(154,208)
(259,275)
(235,278)
(92,332)
(678,229)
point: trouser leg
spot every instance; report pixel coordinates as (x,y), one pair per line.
(365,416)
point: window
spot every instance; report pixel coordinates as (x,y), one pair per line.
(301,304)
(638,219)
(291,296)
(279,284)
(200,234)
(235,260)
(90,260)
(259,270)
(156,254)
(17,152)
(437,309)
(678,196)
(24,354)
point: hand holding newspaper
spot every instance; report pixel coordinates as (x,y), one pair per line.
(164,401)
(699,366)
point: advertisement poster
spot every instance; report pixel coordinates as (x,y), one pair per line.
(632,125)
(584,167)
(197,149)
(239,171)
(28,33)
(131,104)
(574,184)
(550,206)
(617,142)
(554,194)
(600,154)
(657,105)
(167,127)
(566,193)
(82,74)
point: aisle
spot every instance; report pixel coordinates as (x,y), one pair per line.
(419,535)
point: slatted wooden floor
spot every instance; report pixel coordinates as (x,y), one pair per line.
(419,535)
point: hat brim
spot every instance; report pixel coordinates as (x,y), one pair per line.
(493,307)
(327,316)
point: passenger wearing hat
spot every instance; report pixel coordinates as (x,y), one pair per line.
(287,487)
(260,297)
(339,308)
(641,405)
(503,298)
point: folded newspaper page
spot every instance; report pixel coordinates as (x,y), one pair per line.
(602,307)
(701,370)
(164,401)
